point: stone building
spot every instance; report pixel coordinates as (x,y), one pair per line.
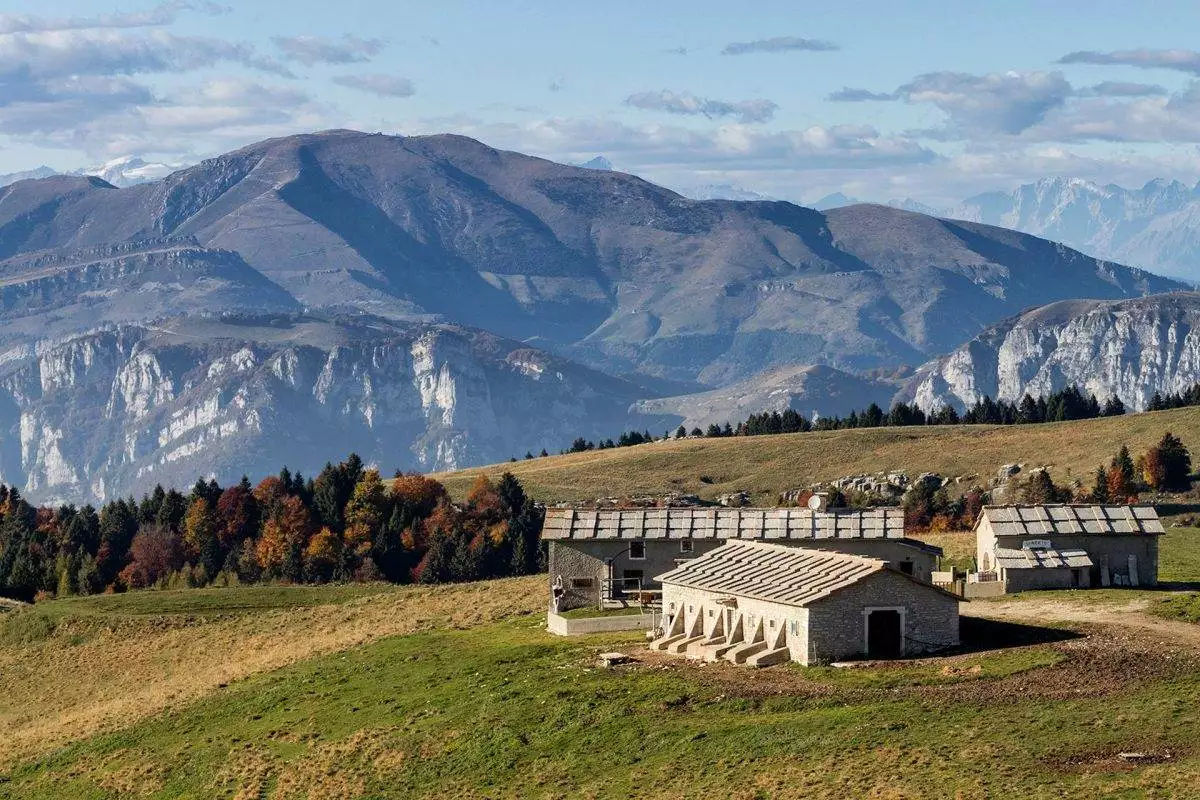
(1067,546)
(597,555)
(760,604)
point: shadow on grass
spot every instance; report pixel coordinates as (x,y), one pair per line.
(979,634)
(1178,586)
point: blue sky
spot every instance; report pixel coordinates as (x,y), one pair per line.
(930,100)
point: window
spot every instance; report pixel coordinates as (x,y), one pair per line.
(582,583)
(685,545)
(906,567)
(637,551)
(771,623)
(710,613)
(632,574)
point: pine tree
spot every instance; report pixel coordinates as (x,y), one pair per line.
(1100,487)
(1176,463)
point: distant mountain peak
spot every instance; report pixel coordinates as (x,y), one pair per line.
(599,162)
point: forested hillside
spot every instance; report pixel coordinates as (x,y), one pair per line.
(346,524)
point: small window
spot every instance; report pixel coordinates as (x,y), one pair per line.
(685,545)
(771,623)
(906,567)
(632,574)
(637,551)
(710,613)
(794,628)
(691,609)
(582,583)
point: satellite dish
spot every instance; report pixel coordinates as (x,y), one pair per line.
(817,502)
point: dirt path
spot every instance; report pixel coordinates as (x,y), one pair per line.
(1123,615)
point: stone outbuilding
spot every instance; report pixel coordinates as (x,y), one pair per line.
(599,555)
(1067,546)
(760,604)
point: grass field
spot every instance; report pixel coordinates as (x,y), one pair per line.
(768,465)
(504,710)
(379,691)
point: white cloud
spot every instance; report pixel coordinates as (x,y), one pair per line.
(685,103)
(378,84)
(309,50)
(779,44)
(1181,60)
(161,14)
(112,52)
(998,103)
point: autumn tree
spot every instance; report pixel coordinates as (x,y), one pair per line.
(280,549)
(364,515)
(322,556)
(156,552)
(200,530)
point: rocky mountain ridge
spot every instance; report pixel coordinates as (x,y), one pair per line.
(1130,348)
(110,412)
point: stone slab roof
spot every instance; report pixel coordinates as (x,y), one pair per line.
(1041,559)
(724,523)
(1071,520)
(777,573)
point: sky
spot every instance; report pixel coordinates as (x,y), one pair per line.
(933,101)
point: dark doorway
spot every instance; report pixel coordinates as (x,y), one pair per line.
(884,638)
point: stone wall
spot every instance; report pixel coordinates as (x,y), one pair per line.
(837,625)
(831,629)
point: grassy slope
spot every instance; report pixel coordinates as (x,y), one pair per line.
(767,465)
(504,710)
(73,667)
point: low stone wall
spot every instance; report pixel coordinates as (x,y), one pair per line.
(976,591)
(562,626)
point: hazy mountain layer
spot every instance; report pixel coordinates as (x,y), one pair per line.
(809,390)
(1156,227)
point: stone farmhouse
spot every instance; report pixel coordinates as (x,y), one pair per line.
(599,556)
(1067,546)
(760,603)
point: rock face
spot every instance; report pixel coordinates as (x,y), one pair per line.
(1156,227)
(114,411)
(1131,348)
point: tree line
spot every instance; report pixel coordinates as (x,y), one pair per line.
(347,524)
(1064,405)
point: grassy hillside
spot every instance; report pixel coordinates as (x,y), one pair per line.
(76,666)
(502,709)
(767,465)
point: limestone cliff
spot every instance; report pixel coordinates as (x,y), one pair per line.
(116,410)
(1131,348)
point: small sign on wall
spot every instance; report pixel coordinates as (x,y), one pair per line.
(1036,544)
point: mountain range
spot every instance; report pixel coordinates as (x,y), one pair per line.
(1155,227)
(353,247)
(124,171)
